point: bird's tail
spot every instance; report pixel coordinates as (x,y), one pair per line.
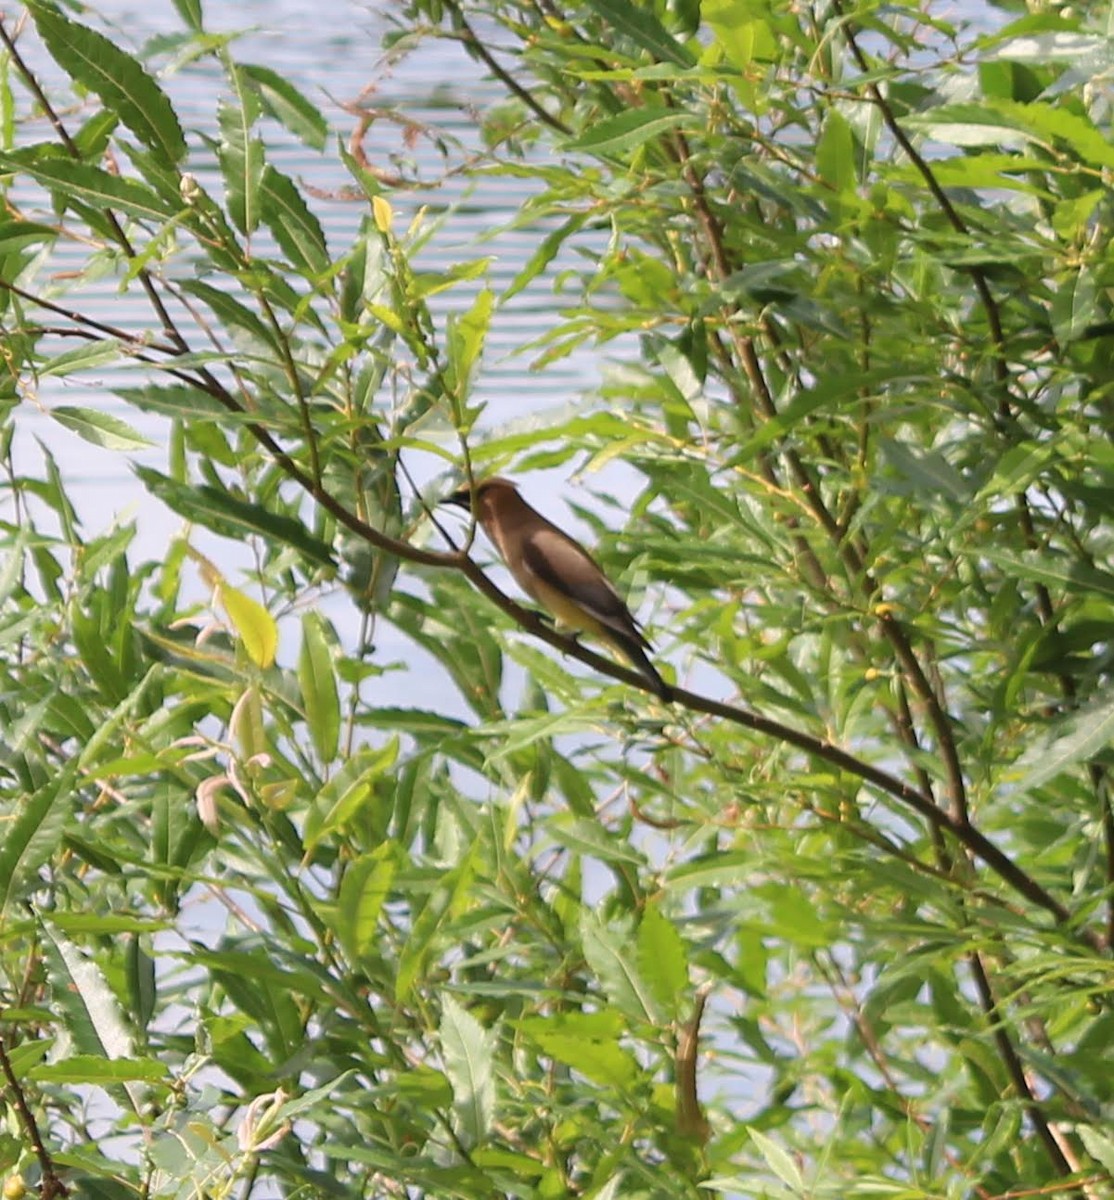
(638,657)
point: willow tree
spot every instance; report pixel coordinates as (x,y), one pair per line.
(835,922)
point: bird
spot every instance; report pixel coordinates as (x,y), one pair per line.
(557,571)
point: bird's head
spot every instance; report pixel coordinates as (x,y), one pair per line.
(471,498)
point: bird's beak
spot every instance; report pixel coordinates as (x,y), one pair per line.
(461,498)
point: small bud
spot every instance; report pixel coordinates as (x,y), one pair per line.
(261,1128)
(381,211)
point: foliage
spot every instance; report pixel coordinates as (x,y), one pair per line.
(267,928)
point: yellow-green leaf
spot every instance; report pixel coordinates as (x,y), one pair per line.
(254,624)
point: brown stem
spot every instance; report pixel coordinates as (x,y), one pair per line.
(853,560)
(978,276)
(691,1121)
(52,1185)
(81,319)
(1008,1054)
(1100,783)
(470,39)
(291,367)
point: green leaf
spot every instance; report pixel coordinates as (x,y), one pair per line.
(466,335)
(241,156)
(297,231)
(468,1052)
(91,1068)
(1006,122)
(232,517)
(178,400)
(318,684)
(16,235)
(779,1161)
(283,101)
(1053,570)
(1072,739)
(364,890)
(89,184)
(86,1004)
(662,960)
(924,471)
(1077,306)
(590,838)
(835,153)
(313,1098)
(629,130)
(1098,1145)
(191,13)
(33,832)
(109,923)
(83,357)
(607,952)
(544,254)
(121,83)
(586,1042)
(247,330)
(254,624)
(349,790)
(639,23)
(99,428)
(740,30)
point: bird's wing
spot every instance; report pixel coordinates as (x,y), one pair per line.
(558,561)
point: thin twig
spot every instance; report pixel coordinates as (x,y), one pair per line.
(1008,1054)
(474,43)
(52,1185)
(81,319)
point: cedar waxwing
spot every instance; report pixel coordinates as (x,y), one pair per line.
(556,571)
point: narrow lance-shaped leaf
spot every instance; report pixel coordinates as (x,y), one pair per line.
(1075,738)
(286,103)
(89,184)
(190,11)
(317,680)
(353,786)
(835,152)
(254,624)
(82,357)
(99,428)
(241,155)
(629,130)
(607,950)
(468,1051)
(587,1042)
(91,1069)
(86,1004)
(662,960)
(121,83)
(363,892)
(297,231)
(231,517)
(466,338)
(34,834)
(639,23)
